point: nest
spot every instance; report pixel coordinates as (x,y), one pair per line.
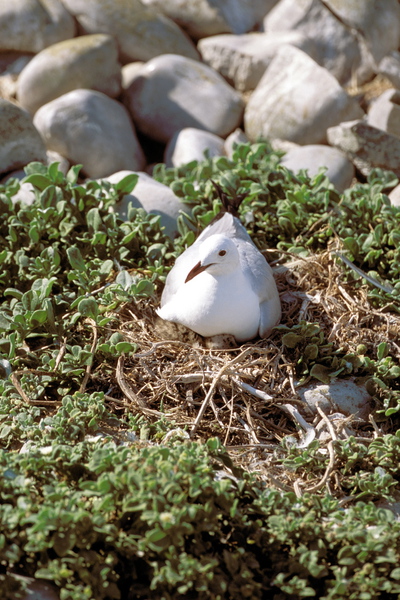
(246,396)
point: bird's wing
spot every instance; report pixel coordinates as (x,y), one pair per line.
(259,273)
(177,276)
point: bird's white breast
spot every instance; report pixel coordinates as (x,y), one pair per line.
(213,305)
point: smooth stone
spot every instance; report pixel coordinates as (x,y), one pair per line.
(366,146)
(340,171)
(234,139)
(338,47)
(129,72)
(384,112)
(172,92)
(340,395)
(9,75)
(31,25)
(394,196)
(63,165)
(201,18)
(297,100)
(21,142)
(154,197)
(38,589)
(390,68)
(192,144)
(243,59)
(88,61)
(91,129)
(378,22)
(26,192)
(141,33)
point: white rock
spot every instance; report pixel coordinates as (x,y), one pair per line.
(10,71)
(201,18)
(366,146)
(89,61)
(338,48)
(340,170)
(390,68)
(53,156)
(343,395)
(394,196)
(141,33)
(91,129)
(242,59)
(20,140)
(191,144)
(236,137)
(378,22)
(31,25)
(384,112)
(172,92)
(129,72)
(297,100)
(154,197)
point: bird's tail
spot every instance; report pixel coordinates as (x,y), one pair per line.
(229,204)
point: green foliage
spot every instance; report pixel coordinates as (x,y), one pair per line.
(98,503)
(297,214)
(112,522)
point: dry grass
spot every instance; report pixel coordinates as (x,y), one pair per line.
(247,396)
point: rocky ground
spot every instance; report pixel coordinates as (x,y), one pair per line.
(118,86)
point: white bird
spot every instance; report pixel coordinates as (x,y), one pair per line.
(222,284)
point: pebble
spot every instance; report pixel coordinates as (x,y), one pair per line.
(89,61)
(389,67)
(91,129)
(172,92)
(340,395)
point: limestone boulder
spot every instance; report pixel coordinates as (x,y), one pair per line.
(390,68)
(243,59)
(377,22)
(21,142)
(201,18)
(172,92)
(141,33)
(89,61)
(154,197)
(91,129)
(297,100)
(31,25)
(366,146)
(192,144)
(338,46)
(384,112)
(339,169)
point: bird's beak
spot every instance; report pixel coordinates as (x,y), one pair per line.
(197,269)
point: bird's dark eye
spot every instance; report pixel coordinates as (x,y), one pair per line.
(222,252)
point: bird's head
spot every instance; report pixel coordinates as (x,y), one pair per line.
(218,255)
